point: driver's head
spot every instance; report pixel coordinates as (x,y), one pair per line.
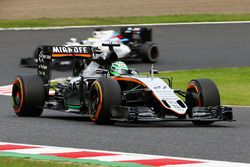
(118,68)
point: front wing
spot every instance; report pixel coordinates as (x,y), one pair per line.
(145,114)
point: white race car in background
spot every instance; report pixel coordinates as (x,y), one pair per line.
(135,44)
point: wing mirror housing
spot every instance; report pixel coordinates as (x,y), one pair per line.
(154,71)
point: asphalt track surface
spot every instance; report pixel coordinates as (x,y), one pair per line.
(181,47)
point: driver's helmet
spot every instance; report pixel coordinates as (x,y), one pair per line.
(118,68)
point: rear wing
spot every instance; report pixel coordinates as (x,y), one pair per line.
(49,53)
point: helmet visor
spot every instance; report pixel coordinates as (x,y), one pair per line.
(120,72)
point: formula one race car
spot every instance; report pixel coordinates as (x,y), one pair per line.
(135,44)
(106,90)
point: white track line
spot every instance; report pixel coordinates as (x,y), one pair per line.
(46,150)
(124,25)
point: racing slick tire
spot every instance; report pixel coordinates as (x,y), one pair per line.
(208,95)
(104,93)
(149,52)
(28,95)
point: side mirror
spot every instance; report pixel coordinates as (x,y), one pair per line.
(153,71)
(133,71)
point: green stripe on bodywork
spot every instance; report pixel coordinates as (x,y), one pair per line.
(83,161)
(73,107)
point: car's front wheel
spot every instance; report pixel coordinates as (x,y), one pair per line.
(205,94)
(104,93)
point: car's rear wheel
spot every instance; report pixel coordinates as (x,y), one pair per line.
(149,52)
(207,94)
(28,95)
(104,93)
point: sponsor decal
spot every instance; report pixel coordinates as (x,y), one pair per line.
(66,51)
(72,49)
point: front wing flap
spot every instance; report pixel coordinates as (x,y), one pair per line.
(145,114)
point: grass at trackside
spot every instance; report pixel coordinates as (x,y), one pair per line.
(233,83)
(25,162)
(123,20)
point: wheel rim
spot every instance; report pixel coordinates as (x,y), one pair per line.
(95,101)
(194,89)
(192,102)
(17,96)
(154,53)
(17,99)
